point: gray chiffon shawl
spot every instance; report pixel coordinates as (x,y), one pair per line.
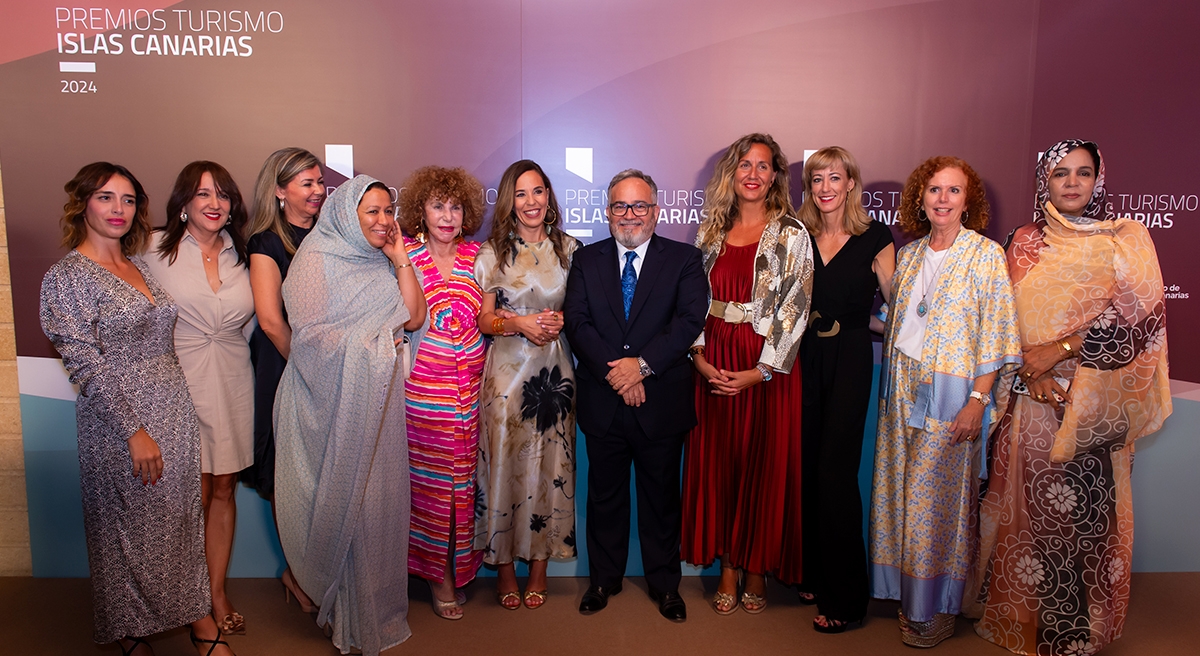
(341,480)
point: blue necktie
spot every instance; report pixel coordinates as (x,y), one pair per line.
(628,281)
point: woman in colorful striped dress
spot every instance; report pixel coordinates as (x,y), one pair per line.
(439,208)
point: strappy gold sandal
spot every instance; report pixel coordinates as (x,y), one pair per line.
(510,600)
(539,595)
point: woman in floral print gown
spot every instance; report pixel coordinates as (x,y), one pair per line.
(1057,519)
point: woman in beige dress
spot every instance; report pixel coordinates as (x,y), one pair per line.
(199,256)
(526,474)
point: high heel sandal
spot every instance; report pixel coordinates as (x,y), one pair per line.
(132,648)
(442,608)
(926,634)
(235,624)
(540,595)
(505,598)
(807,598)
(196,642)
(291,588)
(729,601)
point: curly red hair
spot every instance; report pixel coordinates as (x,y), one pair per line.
(978,211)
(437,183)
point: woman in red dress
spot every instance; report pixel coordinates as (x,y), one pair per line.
(741,481)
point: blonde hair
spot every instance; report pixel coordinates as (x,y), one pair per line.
(279,169)
(720,200)
(855,219)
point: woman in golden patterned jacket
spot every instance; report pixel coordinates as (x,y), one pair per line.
(741,485)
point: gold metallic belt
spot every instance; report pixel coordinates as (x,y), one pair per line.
(731,312)
(812,318)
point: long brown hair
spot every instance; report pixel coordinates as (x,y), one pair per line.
(503,237)
(720,200)
(79,191)
(187,183)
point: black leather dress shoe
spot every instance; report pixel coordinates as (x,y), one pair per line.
(596,597)
(670,605)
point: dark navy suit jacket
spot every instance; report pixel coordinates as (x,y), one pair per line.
(668,312)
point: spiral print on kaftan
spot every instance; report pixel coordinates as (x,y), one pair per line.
(1056,522)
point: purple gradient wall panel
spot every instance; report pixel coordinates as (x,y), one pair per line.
(1126,79)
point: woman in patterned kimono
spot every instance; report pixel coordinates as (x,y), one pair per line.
(439,207)
(112,322)
(1056,522)
(951,332)
(341,484)
(527,440)
(741,471)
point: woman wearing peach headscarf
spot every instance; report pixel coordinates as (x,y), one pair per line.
(1056,524)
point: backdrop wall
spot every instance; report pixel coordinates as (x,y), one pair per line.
(587,89)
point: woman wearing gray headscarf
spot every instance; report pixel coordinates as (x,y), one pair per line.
(341,478)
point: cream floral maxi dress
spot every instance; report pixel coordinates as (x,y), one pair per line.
(525,499)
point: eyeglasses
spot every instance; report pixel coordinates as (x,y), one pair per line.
(639,208)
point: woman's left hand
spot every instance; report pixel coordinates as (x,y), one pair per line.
(968,424)
(1039,360)
(393,248)
(729,383)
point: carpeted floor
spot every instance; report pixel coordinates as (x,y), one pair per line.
(53,616)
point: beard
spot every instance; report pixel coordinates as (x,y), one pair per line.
(631,236)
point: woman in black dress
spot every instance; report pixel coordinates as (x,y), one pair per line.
(853,256)
(287,197)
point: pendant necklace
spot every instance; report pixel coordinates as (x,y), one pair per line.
(923,307)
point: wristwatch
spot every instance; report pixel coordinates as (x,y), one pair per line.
(983,398)
(643,368)
(765,371)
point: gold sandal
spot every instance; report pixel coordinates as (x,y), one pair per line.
(504,599)
(540,595)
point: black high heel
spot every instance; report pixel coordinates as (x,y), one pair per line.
(196,641)
(133,647)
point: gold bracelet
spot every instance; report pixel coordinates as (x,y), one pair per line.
(404,266)
(1068,352)
(498,326)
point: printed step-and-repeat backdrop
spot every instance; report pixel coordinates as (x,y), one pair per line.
(588,89)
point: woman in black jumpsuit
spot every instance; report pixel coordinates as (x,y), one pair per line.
(853,256)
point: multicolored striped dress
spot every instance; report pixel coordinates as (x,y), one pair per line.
(442,398)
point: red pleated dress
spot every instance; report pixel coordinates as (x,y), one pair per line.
(741,477)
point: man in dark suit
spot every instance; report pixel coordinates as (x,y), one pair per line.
(634,305)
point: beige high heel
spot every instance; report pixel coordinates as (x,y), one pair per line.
(291,588)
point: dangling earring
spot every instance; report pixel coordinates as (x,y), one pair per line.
(280,204)
(921,214)
(964,217)
(183,216)
(421,236)
(550,220)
